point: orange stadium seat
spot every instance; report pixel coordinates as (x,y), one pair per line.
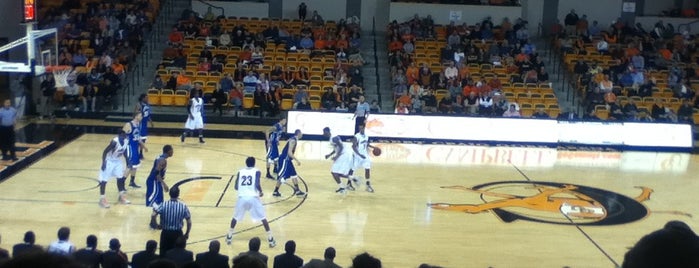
(154,96)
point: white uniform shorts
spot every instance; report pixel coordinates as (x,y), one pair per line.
(112,169)
(342,165)
(360,162)
(196,122)
(252,204)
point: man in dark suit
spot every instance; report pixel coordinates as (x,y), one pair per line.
(254,250)
(89,256)
(288,259)
(143,258)
(27,247)
(212,259)
(114,258)
(179,254)
(328,262)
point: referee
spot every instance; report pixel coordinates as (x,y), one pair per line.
(361,113)
(8,118)
(172,213)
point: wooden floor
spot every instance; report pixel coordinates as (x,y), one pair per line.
(395,223)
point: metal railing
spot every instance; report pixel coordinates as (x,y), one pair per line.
(137,68)
(223,11)
(376,63)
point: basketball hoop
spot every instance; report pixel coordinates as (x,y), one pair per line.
(61,74)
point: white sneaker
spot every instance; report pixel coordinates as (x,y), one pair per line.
(104,203)
(272,242)
(229,239)
(123,200)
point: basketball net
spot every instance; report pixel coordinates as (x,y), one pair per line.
(62,74)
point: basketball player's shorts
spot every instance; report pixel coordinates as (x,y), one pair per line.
(249,203)
(360,162)
(273,153)
(196,122)
(134,155)
(343,164)
(286,170)
(112,169)
(143,130)
(154,193)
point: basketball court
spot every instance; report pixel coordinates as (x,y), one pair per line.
(450,205)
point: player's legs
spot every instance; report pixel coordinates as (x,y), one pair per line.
(121,186)
(201,135)
(367,175)
(134,162)
(297,190)
(269,164)
(140,151)
(341,187)
(111,169)
(103,200)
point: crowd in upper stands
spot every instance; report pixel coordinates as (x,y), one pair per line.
(629,73)
(625,72)
(100,41)
(474,68)
(268,61)
(63,253)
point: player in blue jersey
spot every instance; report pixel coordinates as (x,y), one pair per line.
(272,136)
(286,165)
(133,131)
(155,183)
(143,107)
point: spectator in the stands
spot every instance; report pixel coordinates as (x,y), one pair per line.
(250,81)
(183,82)
(512,111)
(430,102)
(303,105)
(540,113)
(685,112)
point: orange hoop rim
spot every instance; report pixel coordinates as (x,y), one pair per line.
(52,68)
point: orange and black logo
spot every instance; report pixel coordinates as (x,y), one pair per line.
(554,203)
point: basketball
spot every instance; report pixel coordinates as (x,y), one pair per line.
(376,151)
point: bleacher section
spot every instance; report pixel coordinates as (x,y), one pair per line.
(527,96)
(316,70)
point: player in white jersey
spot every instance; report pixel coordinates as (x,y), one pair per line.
(249,193)
(113,166)
(195,120)
(361,146)
(342,159)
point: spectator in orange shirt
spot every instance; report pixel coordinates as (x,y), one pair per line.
(342,43)
(320,43)
(470,87)
(175,37)
(183,82)
(395,45)
(204,65)
(404,99)
(412,73)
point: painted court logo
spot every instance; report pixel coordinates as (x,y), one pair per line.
(554,203)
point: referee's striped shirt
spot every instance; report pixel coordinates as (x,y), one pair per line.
(172,214)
